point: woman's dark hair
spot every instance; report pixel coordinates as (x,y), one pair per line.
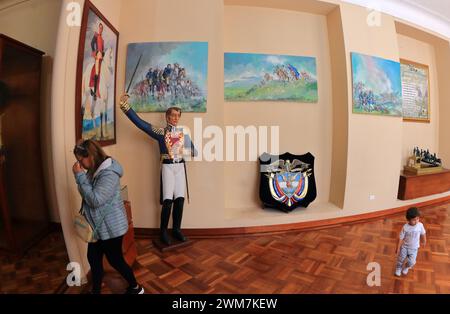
(86,148)
(412,213)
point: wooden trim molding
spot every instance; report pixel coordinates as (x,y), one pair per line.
(21,45)
(298,226)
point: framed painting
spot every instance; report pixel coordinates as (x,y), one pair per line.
(377,87)
(263,77)
(160,75)
(96,78)
(416,91)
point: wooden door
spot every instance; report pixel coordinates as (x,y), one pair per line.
(20,70)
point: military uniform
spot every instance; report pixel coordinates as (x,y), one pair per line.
(172,141)
(98,52)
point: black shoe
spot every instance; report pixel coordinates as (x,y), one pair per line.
(178,235)
(165,237)
(136,290)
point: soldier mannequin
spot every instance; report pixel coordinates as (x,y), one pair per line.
(171,142)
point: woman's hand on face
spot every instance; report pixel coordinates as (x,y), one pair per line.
(77,168)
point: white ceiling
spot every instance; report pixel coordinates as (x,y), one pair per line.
(430,14)
(440,8)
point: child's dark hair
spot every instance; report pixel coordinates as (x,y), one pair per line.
(412,213)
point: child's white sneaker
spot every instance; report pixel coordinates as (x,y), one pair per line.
(405,270)
(398,272)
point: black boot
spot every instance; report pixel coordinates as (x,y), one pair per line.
(165,215)
(177,217)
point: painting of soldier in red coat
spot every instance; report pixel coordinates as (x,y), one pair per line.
(96,77)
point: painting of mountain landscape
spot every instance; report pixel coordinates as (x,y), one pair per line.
(377,86)
(263,77)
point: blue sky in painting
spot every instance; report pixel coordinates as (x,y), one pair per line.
(245,66)
(379,75)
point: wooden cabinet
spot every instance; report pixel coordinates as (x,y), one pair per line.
(413,186)
(24,215)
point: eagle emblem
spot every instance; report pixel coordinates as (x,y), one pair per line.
(288,182)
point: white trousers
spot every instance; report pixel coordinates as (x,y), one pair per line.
(173,181)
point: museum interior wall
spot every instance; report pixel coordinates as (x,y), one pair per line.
(199,21)
(303,127)
(340,109)
(441,47)
(421,134)
(358,157)
(374,143)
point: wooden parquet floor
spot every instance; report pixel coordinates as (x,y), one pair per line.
(41,270)
(323,261)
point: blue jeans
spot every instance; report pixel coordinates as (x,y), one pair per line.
(406,254)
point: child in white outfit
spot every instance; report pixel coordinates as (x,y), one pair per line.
(409,241)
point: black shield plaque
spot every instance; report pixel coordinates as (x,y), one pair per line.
(287,181)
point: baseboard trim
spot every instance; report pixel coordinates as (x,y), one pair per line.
(298,226)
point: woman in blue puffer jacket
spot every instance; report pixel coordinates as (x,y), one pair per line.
(104,210)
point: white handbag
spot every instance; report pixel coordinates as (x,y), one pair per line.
(83,228)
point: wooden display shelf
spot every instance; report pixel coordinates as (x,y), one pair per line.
(413,186)
(422,170)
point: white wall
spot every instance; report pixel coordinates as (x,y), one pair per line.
(304,127)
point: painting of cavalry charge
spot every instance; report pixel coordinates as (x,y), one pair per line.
(263,77)
(377,86)
(166,74)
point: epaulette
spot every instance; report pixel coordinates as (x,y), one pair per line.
(159,131)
